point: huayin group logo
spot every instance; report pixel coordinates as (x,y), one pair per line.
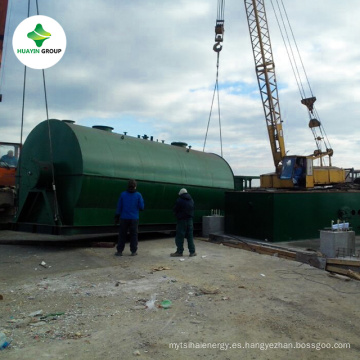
(36,47)
(39,35)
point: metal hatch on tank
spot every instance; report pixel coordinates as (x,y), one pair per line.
(70,177)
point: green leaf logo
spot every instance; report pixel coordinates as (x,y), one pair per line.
(39,35)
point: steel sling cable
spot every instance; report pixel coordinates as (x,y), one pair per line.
(56,206)
(218,98)
(311,111)
(216,90)
(287,47)
(22,125)
(297,49)
(219,32)
(321,128)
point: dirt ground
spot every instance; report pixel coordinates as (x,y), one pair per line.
(85,303)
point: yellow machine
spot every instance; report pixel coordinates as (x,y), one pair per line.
(293,170)
(311,175)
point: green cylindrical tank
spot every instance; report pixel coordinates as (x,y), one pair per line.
(90,167)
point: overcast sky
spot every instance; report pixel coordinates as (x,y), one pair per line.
(147,67)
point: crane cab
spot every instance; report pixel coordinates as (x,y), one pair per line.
(295,172)
(298,170)
(303,174)
(9,155)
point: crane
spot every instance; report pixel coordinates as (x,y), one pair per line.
(290,170)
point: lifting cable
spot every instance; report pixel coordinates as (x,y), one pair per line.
(291,59)
(56,206)
(307,101)
(219,37)
(22,110)
(45,94)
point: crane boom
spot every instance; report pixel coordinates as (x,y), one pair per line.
(265,71)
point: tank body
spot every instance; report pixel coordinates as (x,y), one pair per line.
(70,178)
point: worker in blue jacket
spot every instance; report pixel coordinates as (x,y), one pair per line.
(127,214)
(9,159)
(298,175)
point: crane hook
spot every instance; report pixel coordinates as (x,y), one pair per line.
(219,35)
(217,47)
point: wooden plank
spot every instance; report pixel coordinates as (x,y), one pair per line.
(338,276)
(259,248)
(343,262)
(263,250)
(353,274)
(336,270)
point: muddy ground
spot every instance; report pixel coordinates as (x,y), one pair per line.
(85,303)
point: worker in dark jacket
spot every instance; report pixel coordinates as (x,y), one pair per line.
(127,213)
(184,212)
